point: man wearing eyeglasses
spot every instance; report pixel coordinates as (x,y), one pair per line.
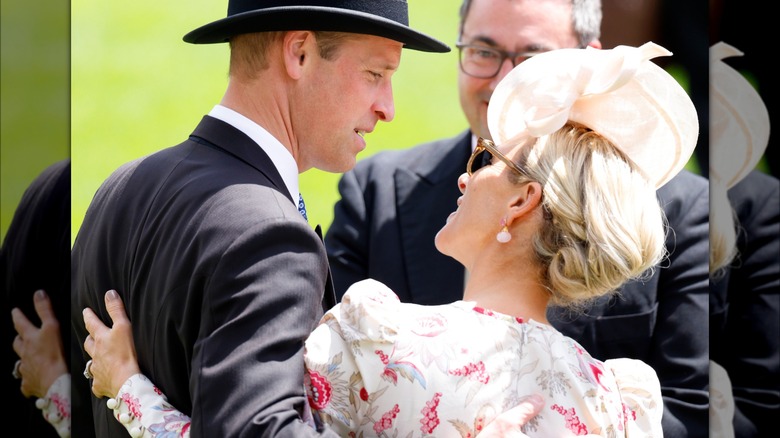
(393,204)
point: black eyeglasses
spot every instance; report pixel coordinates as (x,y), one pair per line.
(485,62)
(484,145)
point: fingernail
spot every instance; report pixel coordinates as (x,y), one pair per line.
(39,294)
(111,295)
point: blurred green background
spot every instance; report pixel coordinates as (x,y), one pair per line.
(138,88)
(34,123)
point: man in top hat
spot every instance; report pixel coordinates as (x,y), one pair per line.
(207,242)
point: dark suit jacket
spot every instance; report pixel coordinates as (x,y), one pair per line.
(745,324)
(35,255)
(395,202)
(221,277)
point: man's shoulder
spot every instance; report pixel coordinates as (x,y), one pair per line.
(149,166)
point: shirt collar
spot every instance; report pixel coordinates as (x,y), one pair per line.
(281,157)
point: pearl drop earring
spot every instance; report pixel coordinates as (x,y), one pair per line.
(503,236)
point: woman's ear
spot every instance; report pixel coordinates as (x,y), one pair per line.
(296,48)
(525,200)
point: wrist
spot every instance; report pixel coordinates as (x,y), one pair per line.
(51,374)
(122,376)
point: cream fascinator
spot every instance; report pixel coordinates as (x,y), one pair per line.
(618,93)
(739,121)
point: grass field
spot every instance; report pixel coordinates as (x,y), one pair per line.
(138,88)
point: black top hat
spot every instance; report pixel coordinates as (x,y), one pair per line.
(385,18)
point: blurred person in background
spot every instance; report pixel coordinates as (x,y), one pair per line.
(35,262)
(744,257)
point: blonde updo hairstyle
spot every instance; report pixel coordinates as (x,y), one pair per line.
(603,223)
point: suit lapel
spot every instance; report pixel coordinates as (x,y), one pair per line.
(217,134)
(329,297)
(214,133)
(426,194)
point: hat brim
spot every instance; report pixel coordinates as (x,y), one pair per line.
(313,18)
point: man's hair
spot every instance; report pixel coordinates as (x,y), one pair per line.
(585,17)
(249,51)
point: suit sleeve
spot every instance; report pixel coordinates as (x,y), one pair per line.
(260,305)
(680,343)
(347,238)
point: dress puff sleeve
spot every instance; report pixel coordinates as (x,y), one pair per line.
(640,390)
(334,377)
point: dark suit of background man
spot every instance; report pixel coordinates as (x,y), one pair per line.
(746,308)
(220,273)
(35,255)
(745,329)
(394,203)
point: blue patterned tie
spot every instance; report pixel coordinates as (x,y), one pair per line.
(302,207)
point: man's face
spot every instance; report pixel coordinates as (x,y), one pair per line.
(514,26)
(342,99)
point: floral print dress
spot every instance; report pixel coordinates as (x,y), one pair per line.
(381,368)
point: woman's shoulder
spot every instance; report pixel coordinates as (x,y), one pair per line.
(634,374)
(368,311)
(640,392)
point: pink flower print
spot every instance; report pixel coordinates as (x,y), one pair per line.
(390,375)
(473,371)
(132,404)
(321,390)
(174,425)
(573,422)
(157,390)
(387,420)
(382,356)
(431,325)
(592,371)
(430,418)
(62,404)
(629,413)
(479,424)
(484,311)
(488,312)
(429,343)
(363,394)
(387,373)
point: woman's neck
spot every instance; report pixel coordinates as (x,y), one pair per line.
(514,290)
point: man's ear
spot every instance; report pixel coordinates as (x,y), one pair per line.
(525,201)
(297,47)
